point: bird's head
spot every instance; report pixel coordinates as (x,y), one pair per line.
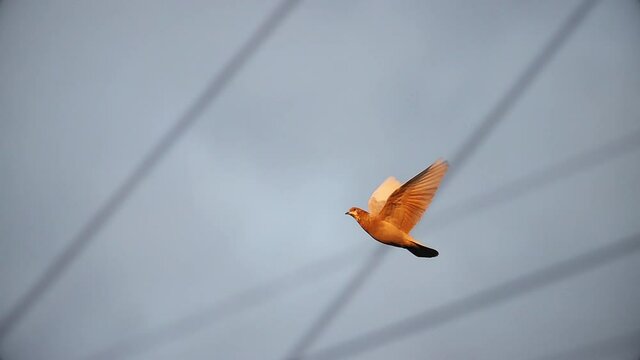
(356,213)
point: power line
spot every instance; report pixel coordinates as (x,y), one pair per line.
(236,304)
(88,232)
(487,125)
(492,296)
(519,87)
(538,179)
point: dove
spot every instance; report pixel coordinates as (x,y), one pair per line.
(395,209)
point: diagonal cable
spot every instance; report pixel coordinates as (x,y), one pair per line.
(105,212)
(492,296)
(480,135)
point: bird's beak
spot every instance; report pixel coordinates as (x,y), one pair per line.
(347,213)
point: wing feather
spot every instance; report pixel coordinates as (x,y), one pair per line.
(381,194)
(406,205)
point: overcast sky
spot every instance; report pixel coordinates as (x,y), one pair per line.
(235,243)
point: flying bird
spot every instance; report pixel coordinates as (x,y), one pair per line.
(394,209)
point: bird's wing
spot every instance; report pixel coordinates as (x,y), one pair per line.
(405,206)
(380,195)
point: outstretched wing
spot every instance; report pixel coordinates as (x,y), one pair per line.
(380,195)
(406,205)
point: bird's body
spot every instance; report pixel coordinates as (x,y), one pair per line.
(395,210)
(383,231)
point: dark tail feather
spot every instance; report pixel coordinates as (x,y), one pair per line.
(423,251)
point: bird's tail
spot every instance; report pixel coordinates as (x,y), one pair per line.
(422,251)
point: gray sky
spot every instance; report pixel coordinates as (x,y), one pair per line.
(341,96)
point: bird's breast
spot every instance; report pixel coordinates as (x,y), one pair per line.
(386,233)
